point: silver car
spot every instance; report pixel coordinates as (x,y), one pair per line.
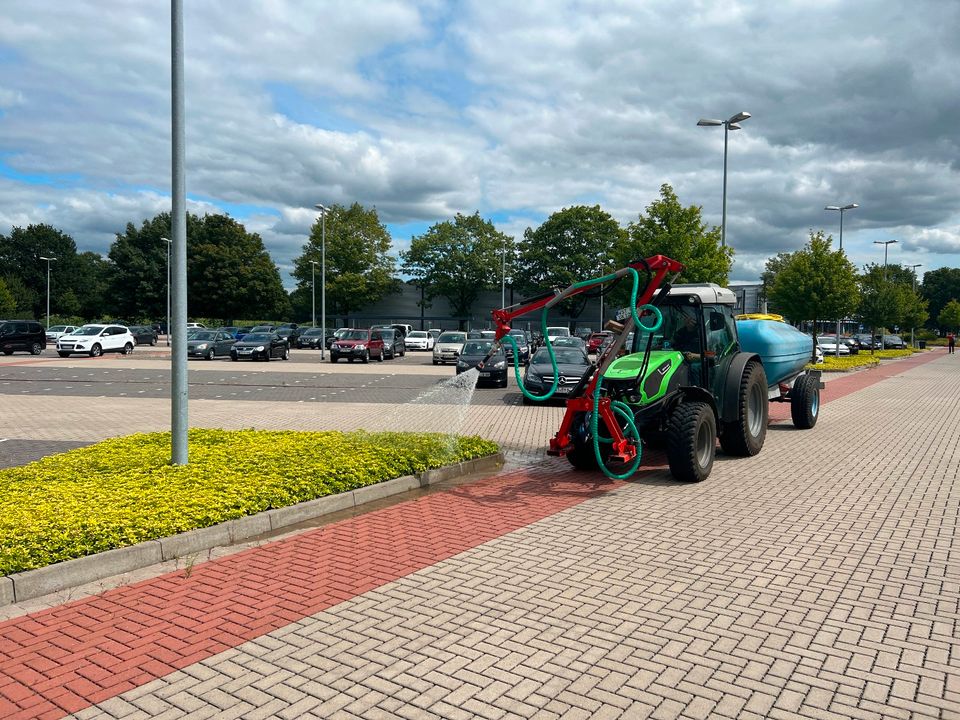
(448,347)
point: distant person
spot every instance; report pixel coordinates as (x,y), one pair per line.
(951,341)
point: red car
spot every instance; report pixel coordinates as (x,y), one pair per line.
(596,340)
(357,345)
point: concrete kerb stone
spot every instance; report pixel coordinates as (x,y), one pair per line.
(71,573)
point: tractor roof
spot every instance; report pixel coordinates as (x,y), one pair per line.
(709,293)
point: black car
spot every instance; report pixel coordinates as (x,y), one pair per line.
(868,342)
(393,343)
(143,334)
(310,338)
(289,332)
(572,363)
(208,344)
(260,346)
(26,335)
(523,346)
(893,342)
(494,372)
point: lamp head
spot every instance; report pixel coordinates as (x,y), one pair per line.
(851,206)
(709,123)
(47,259)
(740,117)
(321,208)
(733,126)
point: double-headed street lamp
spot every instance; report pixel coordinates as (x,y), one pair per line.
(168,241)
(842,210)
(49,260)
(886,244)
(728,125)
(313,294)
(323,279)
(913,269)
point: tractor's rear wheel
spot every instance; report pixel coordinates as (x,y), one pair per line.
(691,441)
(745,435)
(805,402)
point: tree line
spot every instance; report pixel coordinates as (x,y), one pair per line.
(231,276)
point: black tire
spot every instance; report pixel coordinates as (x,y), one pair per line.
(583,457)
(36,348)
(63,354)
(506,381)
(128,349)
(153,342)
(96,351)
(366,357)
(436,362)
(8,352)
(333,359)
(211,354)
(234,358)
(745,435)
(380,356)
(349,359)
(805,402)
(266,356)
(691,441)
(286,354)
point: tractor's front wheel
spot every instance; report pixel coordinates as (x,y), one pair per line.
(805,402)
(745,435)
(691,441)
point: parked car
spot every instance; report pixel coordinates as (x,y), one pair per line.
(25,335)
(448,347)
(829,345)
(596,340)
(893,342)
(569,341)
(242,331)
(337,334)
(553,332)
(852,343)
(143,334)
(403,327)
(196,326)
(289,332)
(393,343)
(572,364)
(95,339)
(53,333)
(436,332)
(584,333)
(869,342)
(523,346)
(260,346)
(262,329)
(230,330)
(492,372)
(310,338)
(419,340)
(210,343)
(358,344)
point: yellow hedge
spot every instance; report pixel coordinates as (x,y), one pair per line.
(123,491)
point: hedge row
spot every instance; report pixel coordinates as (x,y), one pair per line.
(123,491)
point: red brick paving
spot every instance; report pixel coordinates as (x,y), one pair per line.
(64,659)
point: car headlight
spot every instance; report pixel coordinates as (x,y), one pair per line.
(462,364)
(500,365)
(533,376)
(259,348)
(202,346)
(361,347)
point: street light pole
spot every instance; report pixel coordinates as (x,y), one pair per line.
(914,269)
(313,294)
(323,278)
(179,388)
(728,125)
(886,244)
(49,260)
(168,242)
(843,209)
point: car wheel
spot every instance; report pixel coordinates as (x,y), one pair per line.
(128,348)
(333,359)
(436,362)
(349,359)
(36,349)
(233,357)
(266,356)
(380,356)
(366,357)
(153,342)
(96,351)
(63,354)
(286,354)
(211,354)
(691,441)
(745,435)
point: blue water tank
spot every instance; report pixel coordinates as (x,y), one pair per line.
(783,349)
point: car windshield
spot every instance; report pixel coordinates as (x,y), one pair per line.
(564,356)
(261,328)
(355,335)
(57,328)
(477,347)
(314,331)
(88,331)
(207,335)
(256,337)
(453,337)
(417,335)
(558,332)
(826,340)
(566,342)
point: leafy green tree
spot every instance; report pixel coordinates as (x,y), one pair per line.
(949,317)
(816,283)
(573,244)
(23,297)
(939,287)
(911,307)
(773,267)
(458,260)
(678,232)
(92,277)
(8,304)
(360,270)
(881,303)
(20,255)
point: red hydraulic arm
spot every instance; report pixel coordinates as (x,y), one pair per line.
(660,267)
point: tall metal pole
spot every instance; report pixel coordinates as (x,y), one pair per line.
(168,241)
(723,222)
(313,293)
(914,283)
(179,422)
(843,209)
(48,287)
(323,282)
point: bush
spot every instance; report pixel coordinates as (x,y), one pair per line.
(846,362)
(123,491)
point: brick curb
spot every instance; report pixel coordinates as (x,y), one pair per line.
(71,573)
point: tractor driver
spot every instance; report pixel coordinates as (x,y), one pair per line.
(686,338)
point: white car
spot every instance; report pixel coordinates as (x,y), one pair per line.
(57,331)
(553,332)
(828,343)
(420,340)
(448,347)
(196,326)
(94,340)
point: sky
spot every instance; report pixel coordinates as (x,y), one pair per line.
(515,110)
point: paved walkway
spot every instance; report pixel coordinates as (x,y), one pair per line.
(819,579)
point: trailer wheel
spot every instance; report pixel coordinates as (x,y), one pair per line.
(745,435)
(691,441)
(582,457)
(805,402)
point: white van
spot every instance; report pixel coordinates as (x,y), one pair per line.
(554,332)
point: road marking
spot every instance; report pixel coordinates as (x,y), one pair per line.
(4,439)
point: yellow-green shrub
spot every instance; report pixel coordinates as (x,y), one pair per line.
(124,491)
(845,362)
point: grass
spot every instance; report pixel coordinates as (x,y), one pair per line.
(123,491)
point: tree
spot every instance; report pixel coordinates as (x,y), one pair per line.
(773,267)
(910,308)
(23,297)
(678,232)
(230,274)
(816,283)
(92,275)
(8,304)
(949,317)
(939,287)
(360,270)
(879,304)
(573,244)
(457,260)
(20,258)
